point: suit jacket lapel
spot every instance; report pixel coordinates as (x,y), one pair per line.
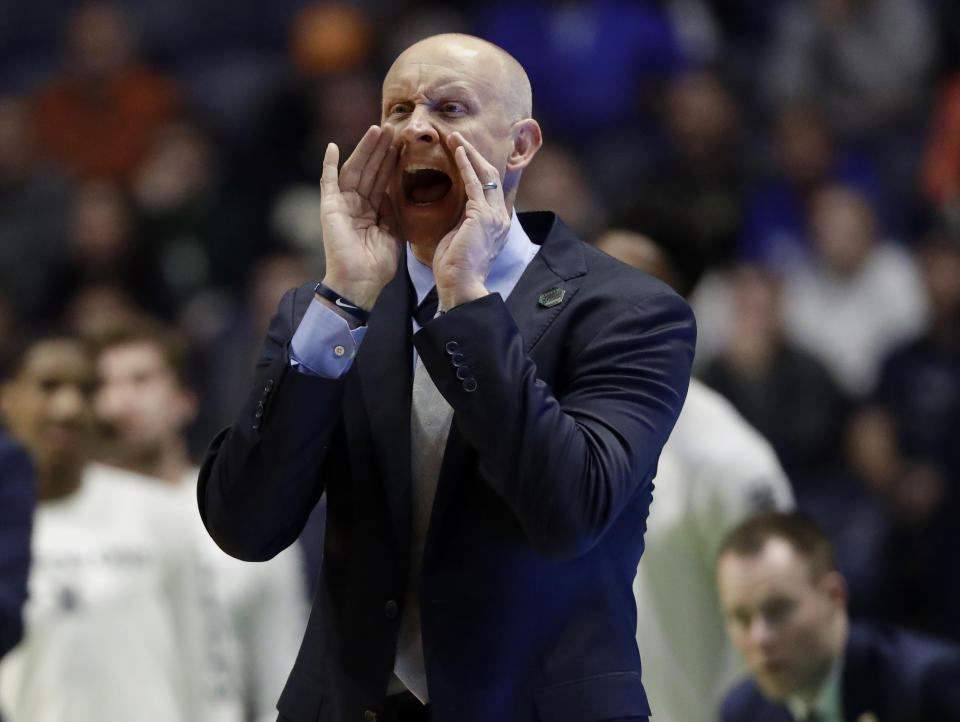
(384,366)
(558,265)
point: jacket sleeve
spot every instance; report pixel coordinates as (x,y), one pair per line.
(260,478)
(567,460)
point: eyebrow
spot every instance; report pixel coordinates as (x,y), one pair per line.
(450,86)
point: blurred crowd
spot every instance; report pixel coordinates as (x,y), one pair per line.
(162,157)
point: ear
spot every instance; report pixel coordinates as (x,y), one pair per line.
(835,587)
(527,140)
(5,400)
(189,406)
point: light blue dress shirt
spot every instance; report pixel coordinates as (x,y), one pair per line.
(324,345)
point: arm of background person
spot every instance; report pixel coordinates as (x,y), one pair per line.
(17,492)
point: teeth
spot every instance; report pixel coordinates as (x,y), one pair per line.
(413,167)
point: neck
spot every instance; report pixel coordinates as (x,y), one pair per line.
(837,645)
(170,464)
(167,461)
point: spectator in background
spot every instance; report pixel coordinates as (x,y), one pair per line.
(785,606)
(106,256)
(859,299)
(786,393)
(34,208)
(940,178)
(903,444)
(714,471)
(331,93)
(700,172)
(865,62)
(807,156)
(112,624)
(197,227)
(557,179)
(144,403)
(98,116)
(17,492)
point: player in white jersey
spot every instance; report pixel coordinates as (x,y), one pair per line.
(256,613)
(112,623)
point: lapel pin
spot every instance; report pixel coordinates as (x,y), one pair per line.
(551,297)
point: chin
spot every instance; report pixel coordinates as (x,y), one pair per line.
(426,226)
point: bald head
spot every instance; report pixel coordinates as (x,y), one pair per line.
(489,60)
(445,91)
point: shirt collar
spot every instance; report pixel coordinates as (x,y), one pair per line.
(506,270)
(827,704)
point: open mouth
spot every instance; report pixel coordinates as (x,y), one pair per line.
(423,185)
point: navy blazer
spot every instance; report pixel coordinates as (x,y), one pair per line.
(17,497)
(893,674)
(563,397)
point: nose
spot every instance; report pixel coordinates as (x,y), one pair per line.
(419,127)
(760,633)
(67,404)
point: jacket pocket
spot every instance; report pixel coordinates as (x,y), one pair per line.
(606,696)
(300,700)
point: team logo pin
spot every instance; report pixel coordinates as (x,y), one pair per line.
(551,297)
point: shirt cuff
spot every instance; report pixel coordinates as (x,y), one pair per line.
(323,344)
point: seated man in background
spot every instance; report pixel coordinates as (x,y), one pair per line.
(112,623)
(785,605)
(145,403)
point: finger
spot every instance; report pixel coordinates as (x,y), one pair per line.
(371,169)
(471,182)
(384,174)
(328,179)
(483,169)
(353,167)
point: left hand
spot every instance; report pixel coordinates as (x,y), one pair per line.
(464,256)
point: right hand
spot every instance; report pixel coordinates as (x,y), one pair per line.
(360,239)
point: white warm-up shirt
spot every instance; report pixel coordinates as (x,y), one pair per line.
(113,627)
(256,614)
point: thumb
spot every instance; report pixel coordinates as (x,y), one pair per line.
(329,184)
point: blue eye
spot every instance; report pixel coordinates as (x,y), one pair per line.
(453,108)
(399,109)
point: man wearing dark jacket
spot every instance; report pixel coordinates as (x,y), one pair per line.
(785,608)
(483,399)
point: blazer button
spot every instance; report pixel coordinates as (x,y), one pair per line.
(470,384)
(370,716)
(451,347)
(391,609)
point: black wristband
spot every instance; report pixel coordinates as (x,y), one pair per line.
(342,303)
